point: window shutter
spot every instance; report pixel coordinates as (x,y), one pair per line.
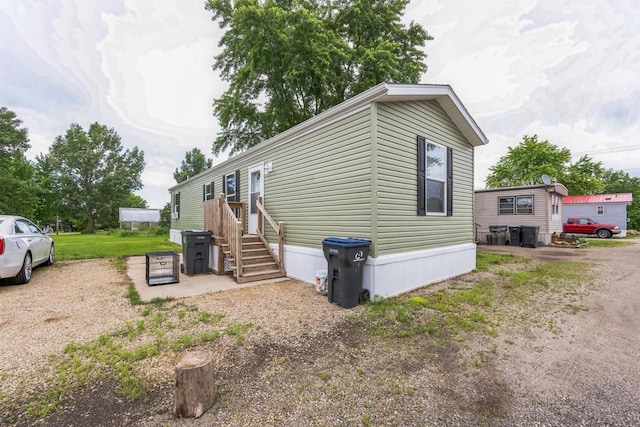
(449,182)
(224,184)
(237,185)
(204,192)
(422,181)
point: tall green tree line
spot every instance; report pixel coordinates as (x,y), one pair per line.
(84,178)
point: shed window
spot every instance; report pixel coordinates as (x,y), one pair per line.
(524,205)
(435,178)
(515,205)
(600,210)
(506,205)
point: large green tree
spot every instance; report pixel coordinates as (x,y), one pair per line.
(96,174)
(16,188)
(194,162)
(50,205)
(288,60)
(526,163)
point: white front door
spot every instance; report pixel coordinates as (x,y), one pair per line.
(256,188)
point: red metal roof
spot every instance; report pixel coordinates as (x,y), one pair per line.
(599,198)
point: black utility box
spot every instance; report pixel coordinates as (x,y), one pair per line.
(345,264)
(195,251)
(162,268)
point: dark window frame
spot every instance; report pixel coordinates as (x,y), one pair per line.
(423,178)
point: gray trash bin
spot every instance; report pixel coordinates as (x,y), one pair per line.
(195,251)
(345,264)
(530,236)
(498,234)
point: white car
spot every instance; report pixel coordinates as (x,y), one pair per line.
(22,246)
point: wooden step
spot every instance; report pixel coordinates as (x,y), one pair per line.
(264,275)
(258,259)
(257,268)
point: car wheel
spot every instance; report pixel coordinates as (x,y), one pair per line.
(52,256)
(24,276)
(604,234)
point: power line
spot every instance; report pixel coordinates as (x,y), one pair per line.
(609,150)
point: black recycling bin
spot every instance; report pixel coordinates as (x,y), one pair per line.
(498,234)
(345,264)
(195,251)
(530,236)
(515,236)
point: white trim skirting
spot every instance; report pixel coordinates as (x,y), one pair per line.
(389,275)
(386,275)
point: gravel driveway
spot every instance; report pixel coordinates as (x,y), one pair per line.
(303,361)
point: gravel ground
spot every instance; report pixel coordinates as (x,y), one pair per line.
(302,361)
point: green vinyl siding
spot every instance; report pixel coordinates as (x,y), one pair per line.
(399,228)
(320,185)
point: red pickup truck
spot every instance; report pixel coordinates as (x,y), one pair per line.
(585,225)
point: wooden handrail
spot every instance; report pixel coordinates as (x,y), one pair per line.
(278,228)
(232,230)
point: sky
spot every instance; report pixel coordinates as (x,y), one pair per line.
(566,70)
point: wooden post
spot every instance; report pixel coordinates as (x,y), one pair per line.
(221,213)
(281,244)
(259,216)
(238,254)
(195,386)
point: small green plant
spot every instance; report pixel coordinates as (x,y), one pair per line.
(237,330)
(209,336)
(326,376)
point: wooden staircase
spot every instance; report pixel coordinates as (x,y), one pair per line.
(258,262)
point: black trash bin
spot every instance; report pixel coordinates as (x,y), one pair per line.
(530,236)
(498,234)
(195,252)
(515,236)
(345,264)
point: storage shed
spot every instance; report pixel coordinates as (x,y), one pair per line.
(604,208)
(534,205)
(134,218)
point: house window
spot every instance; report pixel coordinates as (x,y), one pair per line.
(524,205)
(435,178)
(506,205)
(600,210)
(207,191)
(176,206)
(231,186)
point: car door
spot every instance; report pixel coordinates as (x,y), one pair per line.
(35,239)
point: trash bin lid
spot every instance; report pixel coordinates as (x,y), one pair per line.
(345,242)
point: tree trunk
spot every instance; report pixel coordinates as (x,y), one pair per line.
(195,386)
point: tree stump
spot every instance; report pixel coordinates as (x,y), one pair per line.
(195,386)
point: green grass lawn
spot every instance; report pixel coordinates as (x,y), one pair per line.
(71,246)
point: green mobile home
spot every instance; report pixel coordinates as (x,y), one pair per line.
(393,165)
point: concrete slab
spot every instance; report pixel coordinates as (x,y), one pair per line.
(188,286)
